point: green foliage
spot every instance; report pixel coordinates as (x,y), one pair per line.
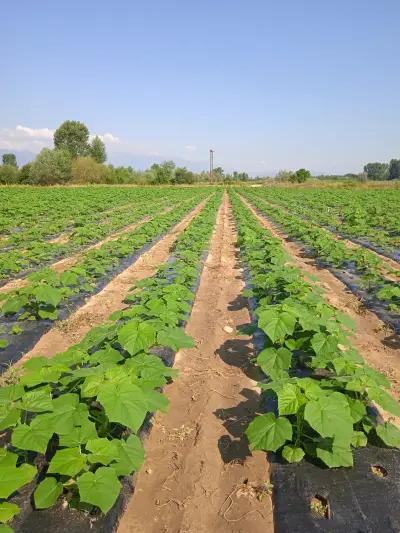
(8,174)
(51,167)
(47,493)
(100,488)
(10,159)
(394,169)
(323,415)
(377,171)
(83,407)
(73,137)
(300,176)
(8,511)
(97,150)
(25,175)
(87,170)
(182,175)
(163,172)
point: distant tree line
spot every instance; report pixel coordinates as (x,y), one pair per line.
(77,160)
(383,171)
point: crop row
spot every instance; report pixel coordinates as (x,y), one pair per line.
(73,420)
(361,262)
(88,228)
(47,292)
(318,389)
(369,215)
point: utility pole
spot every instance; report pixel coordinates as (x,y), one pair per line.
(211,163)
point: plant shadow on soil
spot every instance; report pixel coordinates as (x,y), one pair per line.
(237,352)
(392,341)
(234,447)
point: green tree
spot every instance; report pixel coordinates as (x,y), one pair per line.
(377,171)
(285,175)
(300,176)
(72,136)
(164,172)
(8,174)
(10,159)
(98,150)
(218,174)
(25,174)
(51,167)
(183,175)
(394,169)
(87,170)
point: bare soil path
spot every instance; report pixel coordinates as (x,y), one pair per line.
(377,345)
(99,307)
(199,475)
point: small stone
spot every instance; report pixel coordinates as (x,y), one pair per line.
(228,329)
(149,471)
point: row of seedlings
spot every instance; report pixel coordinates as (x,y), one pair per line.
(74,422)
(31,249)
(319,393)
(28,312)
(360,269)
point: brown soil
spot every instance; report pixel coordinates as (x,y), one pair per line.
(199,475)
(61,239)
(378,346)
(98,307)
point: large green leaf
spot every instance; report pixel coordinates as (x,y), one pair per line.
(14,304)
(292,454)
(389,433)
(136,337)
(334,454)
(33,437)
(123,403)
(275,362)
(268,433)
(156,401)
(13,478)
(130,456)
(103,451)
(68,462)
(330,416)
(47,493)
(100,488)
(175,338)
(9,416)
(288,399)
(8,511)
(277,325)
(47,295)
(79,435)
(385,400)
(37,401)
(324,344)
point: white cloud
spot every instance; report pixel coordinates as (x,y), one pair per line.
(25,138)
(34,139)
(109,138)
(37,133)
(190,148)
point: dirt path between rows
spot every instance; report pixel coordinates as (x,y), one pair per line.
(98,308)
(379,347)
(387,263)
(199,475)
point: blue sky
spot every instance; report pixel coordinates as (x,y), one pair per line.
(269,85)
